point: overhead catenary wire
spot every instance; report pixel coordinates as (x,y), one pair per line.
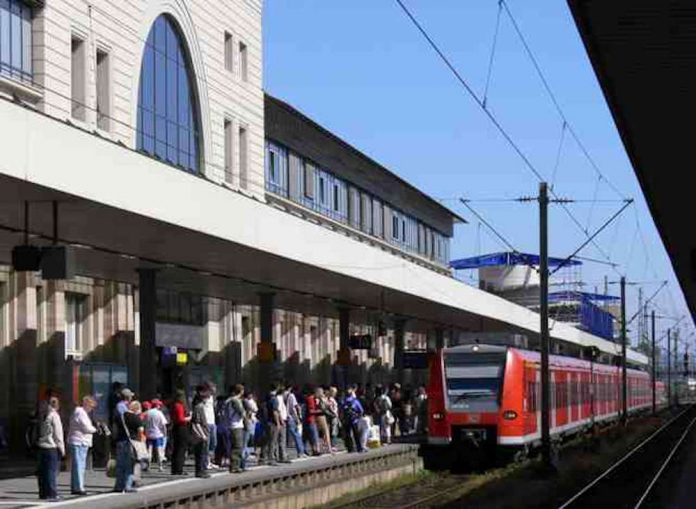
(493,119)
(492,55)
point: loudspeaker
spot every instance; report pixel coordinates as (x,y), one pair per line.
(26,258)
(58,262)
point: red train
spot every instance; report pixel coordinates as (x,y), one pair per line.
(492,394)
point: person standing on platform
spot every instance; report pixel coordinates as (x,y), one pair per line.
(333,417)
(209,406)
(180,434)
(420,410)
(251,407)
(352,413)
(200,432)
(238,423)
(322,420)
(51,449)
(129,426)
(283,426)
(295,420)
(272,424)
(79,441)
(222,424)
(311,418)
(383,411)
(156,432)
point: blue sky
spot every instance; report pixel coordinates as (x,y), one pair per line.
(362,70)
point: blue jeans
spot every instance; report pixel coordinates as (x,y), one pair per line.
(79,463)
(296,436)
(49,464)
(124,466)
(248,434)
(314,436)
(212,437)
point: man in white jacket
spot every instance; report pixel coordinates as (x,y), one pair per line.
(79,442)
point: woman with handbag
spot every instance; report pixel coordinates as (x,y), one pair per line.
(180,433)
(130,446)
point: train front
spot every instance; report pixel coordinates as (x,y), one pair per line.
(464,394)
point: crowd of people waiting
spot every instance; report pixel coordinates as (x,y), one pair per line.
(223,431)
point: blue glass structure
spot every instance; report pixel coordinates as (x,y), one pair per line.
(168,118)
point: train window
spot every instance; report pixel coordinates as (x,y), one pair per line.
(474,379)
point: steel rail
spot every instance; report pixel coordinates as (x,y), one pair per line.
(624,458)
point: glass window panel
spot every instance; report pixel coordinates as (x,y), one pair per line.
(4,36)
(165,97)
(26,42)
(16,37)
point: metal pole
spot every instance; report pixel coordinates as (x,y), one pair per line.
(654,360)
(624,386)
(669,367)
(544,324)
(676,366)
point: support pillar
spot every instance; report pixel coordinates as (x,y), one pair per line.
(440,338)
(344,354)
(399,328)
(267,347)
(147,308)
(23,358)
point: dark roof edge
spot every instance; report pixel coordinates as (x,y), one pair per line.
(594,55)
(457,218)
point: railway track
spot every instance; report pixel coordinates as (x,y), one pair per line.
(419,495)
(631,481)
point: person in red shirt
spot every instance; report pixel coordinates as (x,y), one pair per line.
(311,420)
(180,438)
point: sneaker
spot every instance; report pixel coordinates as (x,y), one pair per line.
(80,493)
(131,490)
(214,466)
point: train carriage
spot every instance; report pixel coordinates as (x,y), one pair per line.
(492,394)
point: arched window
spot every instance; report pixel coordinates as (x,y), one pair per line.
(168,120)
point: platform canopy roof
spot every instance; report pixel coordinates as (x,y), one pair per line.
(507,258)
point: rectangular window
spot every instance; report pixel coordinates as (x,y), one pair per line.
(75,306)
(228,151)
(15,40)
(243,62)
(336,199)
(322,190)
(308,181)
(395,227)
(103,91)
(272,163)
(243,162)
(366,202)
(229,52)
(78,74)
(377,220)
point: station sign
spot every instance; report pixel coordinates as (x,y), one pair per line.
(360,342)
(415,359)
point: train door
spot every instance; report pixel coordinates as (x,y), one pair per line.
(531,377)
(573,398)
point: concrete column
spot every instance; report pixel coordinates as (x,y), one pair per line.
(266,352)
(440,338)
(24,355)
(147,303)
(399,328)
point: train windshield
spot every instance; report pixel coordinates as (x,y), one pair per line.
(474,379)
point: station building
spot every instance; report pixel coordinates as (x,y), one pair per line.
(163,221)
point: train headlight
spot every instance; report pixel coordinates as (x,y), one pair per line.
(438,416)
(509,415)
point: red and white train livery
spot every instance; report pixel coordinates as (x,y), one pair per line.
(492,394)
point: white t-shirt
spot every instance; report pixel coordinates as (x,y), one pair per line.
(155,424)
(209,408)
(282,408)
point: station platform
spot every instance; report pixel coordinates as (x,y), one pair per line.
(302,483)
